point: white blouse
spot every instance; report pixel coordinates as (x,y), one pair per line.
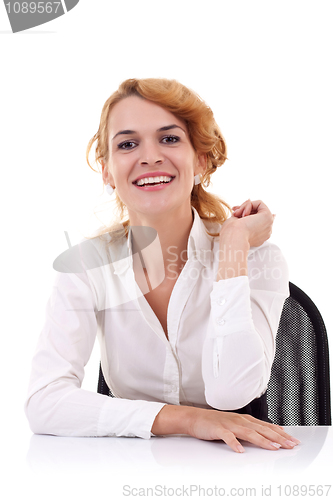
(218,355)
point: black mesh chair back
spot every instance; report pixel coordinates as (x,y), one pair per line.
(298,392)
(103,387)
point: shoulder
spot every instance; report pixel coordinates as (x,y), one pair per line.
(92,252)
(105,249)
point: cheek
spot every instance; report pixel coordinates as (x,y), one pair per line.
(117,172)
(186,161)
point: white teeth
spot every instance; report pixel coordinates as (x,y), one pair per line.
(153,180)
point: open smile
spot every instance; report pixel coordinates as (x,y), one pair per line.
(153,182)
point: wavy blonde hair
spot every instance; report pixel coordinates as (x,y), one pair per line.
(204,134)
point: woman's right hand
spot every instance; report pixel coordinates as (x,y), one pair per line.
(229,427)
(209,424)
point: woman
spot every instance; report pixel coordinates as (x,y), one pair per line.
(186,321)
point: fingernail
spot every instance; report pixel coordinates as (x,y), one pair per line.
(240,448)
(290,443)
(276,445)
(295,440)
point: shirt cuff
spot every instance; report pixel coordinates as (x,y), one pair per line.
(130,418)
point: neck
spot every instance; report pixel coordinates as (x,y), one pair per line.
(173,231)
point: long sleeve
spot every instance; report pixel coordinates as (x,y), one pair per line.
(219,351)
(55,403)
(239,348)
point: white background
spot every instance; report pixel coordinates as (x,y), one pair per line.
(264,67)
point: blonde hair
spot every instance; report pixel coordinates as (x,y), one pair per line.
(204,134)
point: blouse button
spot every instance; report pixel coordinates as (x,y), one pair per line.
(221,301)
(174,388)
(220,321)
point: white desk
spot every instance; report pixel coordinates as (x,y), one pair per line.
(95,466)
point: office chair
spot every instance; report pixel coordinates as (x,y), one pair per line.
(102,387)
(298,392)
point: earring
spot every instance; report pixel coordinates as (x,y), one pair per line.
(197,179)
(109,189)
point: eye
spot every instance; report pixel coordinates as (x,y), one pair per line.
(170,139)
(126,145)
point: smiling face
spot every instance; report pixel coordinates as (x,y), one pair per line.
(151,160)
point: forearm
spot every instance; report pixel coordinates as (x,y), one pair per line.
(233,358)
(239,347)
(233,253)
(173,419)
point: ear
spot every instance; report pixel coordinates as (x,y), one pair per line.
(201,164)
(106,175)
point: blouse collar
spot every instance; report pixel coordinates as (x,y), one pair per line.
(199,247)
(200,243)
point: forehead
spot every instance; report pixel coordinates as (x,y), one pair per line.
(138,114)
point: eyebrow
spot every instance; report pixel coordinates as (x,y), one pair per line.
(162,129)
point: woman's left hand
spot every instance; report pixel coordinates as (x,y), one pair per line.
(256,219)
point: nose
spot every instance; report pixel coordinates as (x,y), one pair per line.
(150,154)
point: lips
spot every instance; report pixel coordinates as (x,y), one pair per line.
(154,179)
